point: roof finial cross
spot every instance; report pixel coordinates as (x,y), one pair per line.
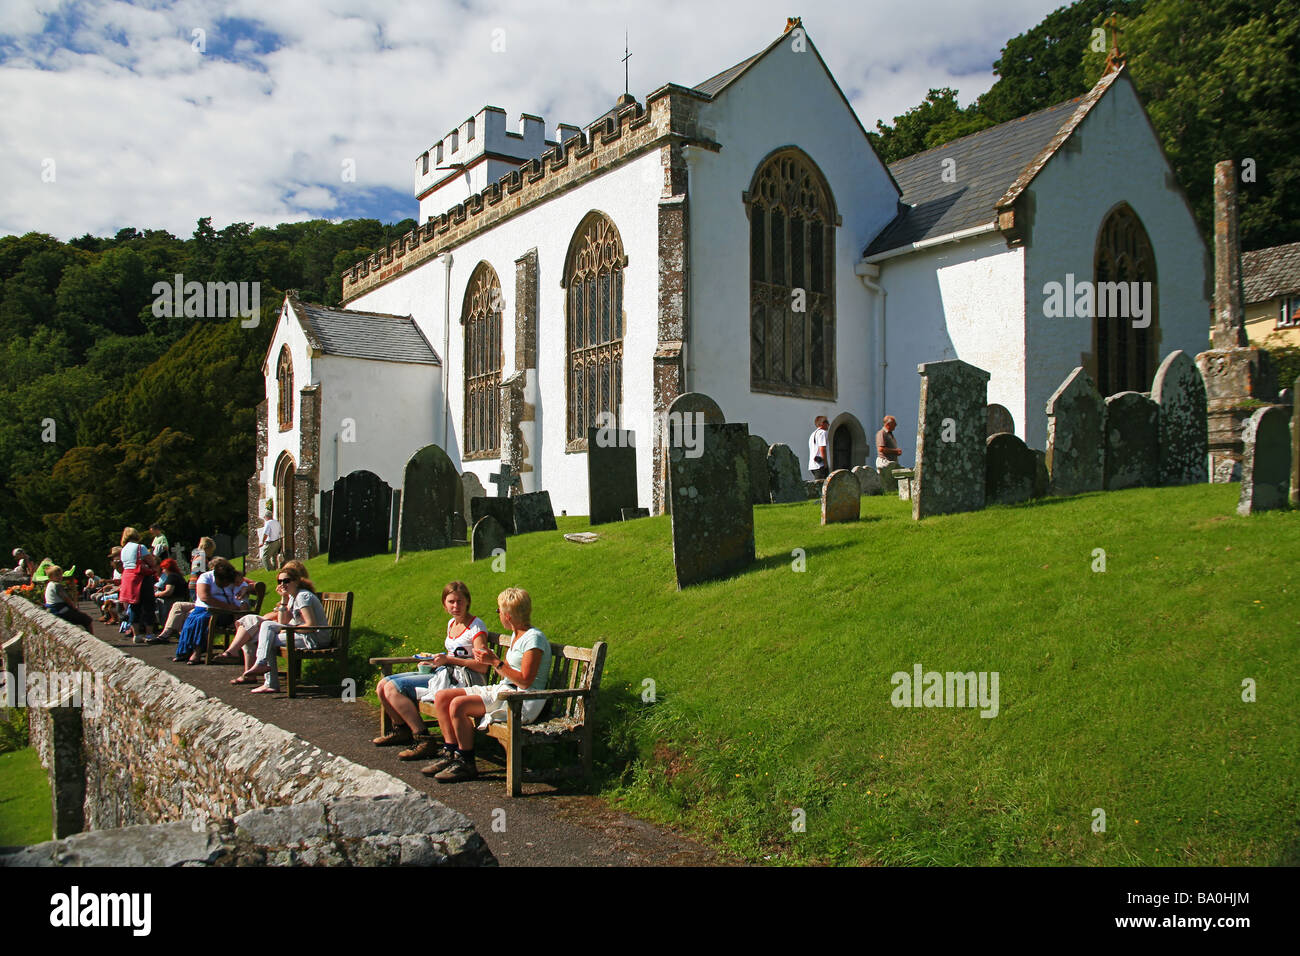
(626,56)
(1114,59)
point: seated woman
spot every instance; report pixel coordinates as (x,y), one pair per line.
(171,590)
(216,594)
(526,667)
(298,605)
(400,694)
(248,627)
(59,600)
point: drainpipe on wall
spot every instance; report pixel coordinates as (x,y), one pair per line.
(869,273)
(446,345)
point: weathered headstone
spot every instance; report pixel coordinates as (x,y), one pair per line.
(760,487)
(682,422)
(1042,480)
(813,489)
(713,519)
(533,512)
(471,487)
(1076,436)
(951,432)
(506,480)
(784,476)
(1179,390)
(611,474)
(631,514)
(888,483)
(459,529)
(503,509)
(1000,420)
(359,516)
(487,536)
(1266,465)
(868,479)
(431,495)
(841,497)
(1132,441)
(1010,468)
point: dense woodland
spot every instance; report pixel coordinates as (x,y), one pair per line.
(113,416)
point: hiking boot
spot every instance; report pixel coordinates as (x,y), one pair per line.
(426,746)
(460,769)
(439,765)
(401,734)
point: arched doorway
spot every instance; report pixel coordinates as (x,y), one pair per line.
(841,449)
(284,470)
(849,445)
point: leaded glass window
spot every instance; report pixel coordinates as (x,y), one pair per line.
(481,317)
(284,388)
(593,282)
(1125,356)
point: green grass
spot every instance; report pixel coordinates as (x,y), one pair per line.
(1119,690)
(24,799)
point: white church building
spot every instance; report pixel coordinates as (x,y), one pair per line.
(738,238)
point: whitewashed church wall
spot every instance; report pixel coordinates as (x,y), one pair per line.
(287,331)
(785,99)
(1119,161)
(961,300)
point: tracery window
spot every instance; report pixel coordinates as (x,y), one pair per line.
(1125,356)
(284,387)
(792,222)
(593,282)
(481,317)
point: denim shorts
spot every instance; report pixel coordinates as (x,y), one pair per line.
(409,682)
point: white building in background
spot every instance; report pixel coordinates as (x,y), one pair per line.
(738,238)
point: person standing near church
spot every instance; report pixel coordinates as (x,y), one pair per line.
(272,541)
(887,450)
(160,546)
(818,463)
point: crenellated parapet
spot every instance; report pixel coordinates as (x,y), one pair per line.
(670,114)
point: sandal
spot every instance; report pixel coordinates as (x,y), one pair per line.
(266,690)
(227,658)
(398,735)
(241,679)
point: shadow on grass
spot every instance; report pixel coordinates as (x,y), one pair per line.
(783,559)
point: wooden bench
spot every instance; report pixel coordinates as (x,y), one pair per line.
(227,631)
(337,627)
(567,718)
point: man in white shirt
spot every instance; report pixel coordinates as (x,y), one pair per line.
(272,539)
(818,463)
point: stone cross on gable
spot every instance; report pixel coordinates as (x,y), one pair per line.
(505,480)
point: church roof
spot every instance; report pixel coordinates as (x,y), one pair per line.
(990,168)
(1268,273)
(715,84)
(377,336)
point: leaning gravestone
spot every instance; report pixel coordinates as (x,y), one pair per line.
(1000,420)
(533,512)
(1132,441)
(868,479)
(471,487)
(783,475)
(611,474)
(487,536)
(1076,436)
(1265,466)
(951,436)
(841,497)
(1179,390)
(503,509)
(631,514)
(1010,470)
(430,497)
(359,516)
(760,487)
(713,519)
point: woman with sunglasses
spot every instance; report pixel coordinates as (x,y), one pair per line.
(298,605)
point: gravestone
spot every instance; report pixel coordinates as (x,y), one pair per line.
(359,516)
(1179,390)
(488,536)
(868,479)
(459,529)
(1000,420)
(1010,470)
(1295,450)
(759,485)
(503,509)
(888,483)
(1042,480)
(951,436)
(506,480)
(1266,464)
(841,497)
(784,476)
(394,520)
(1286,397)
(713,519)
(682,422)
(905,482)
(1132,441)
(631,514)
(431,493)
(326,506)
(471,487)
(533,512)
(611,474)
(582,537)
(813,489)
(1076,436)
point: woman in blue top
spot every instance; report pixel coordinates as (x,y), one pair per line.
(527,666)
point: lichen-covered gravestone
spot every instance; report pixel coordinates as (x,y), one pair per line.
(1000,420)
(686,414)
(533,512)
(430,497)
(487,536)
(1266,465)
(503,509)
(611,473)
(784,476)
(1076,436)
(713,519)
(1179,390)
(1132,441)
(888,483)
(359,516)
(868,480)
(1010,470)
(951,432)
(841,497)
(471,487)
(760,489)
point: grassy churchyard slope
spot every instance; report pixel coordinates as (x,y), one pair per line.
(1119,691)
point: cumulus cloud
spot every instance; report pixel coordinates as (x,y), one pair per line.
(150,116)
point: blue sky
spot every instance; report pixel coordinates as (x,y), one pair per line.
(156,114)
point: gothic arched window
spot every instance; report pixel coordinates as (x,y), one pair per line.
(593,280)
(792,222)
(1124,356)
(481,317)
(284,388)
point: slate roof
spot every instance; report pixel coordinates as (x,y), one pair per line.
(715,84)
(1272,272)
(377,336)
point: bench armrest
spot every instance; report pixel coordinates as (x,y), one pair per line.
(543,694)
